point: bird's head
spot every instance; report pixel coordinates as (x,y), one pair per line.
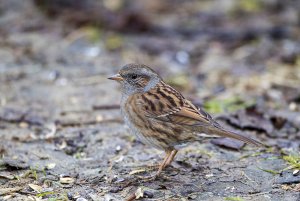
(136,78)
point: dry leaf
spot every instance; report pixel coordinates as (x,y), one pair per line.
(4,191)
(139,193)
(7,175)
(36,188)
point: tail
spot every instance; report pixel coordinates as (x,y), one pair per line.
(224,133)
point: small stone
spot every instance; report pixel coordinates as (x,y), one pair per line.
(120,159)
(119,180)
(70,195)
(81,199)
(209,175)
(296,172)
(193,196)
(50,166)
(115,189)
(148,194)
(73,196)
(23,125)
(292,106)
(118,148)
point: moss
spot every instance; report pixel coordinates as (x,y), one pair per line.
(234,198)
(274,172)
(293,160)
(229,105)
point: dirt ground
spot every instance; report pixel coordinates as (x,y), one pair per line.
(61,133)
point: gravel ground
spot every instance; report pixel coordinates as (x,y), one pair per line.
(62,136)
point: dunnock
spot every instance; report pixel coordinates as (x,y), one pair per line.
(160,116)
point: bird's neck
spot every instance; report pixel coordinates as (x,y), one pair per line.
(151,84)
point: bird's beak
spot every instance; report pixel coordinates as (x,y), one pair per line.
(116,77)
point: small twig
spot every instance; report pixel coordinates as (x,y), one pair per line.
(76,123)
(106,107)
(74,111)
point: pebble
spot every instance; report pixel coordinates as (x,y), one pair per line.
(148,194)
(81,199)
(296,172)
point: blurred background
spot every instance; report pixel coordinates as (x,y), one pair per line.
(239,59)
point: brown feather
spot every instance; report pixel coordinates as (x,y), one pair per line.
(230,134)
(171,107)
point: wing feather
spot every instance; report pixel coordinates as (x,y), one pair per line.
(164,103)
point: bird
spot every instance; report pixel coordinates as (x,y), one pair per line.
(160,116)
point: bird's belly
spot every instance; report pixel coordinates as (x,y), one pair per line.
(143,135)
(140,134)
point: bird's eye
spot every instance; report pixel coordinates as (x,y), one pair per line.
(133,76)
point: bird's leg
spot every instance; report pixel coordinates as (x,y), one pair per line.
(171,158)
(161,166)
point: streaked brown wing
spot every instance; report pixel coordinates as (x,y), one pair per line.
(166,104)
(190,115)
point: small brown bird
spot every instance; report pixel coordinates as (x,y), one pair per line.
(160,116)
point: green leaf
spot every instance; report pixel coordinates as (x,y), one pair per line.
(234,199)
(230,105)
